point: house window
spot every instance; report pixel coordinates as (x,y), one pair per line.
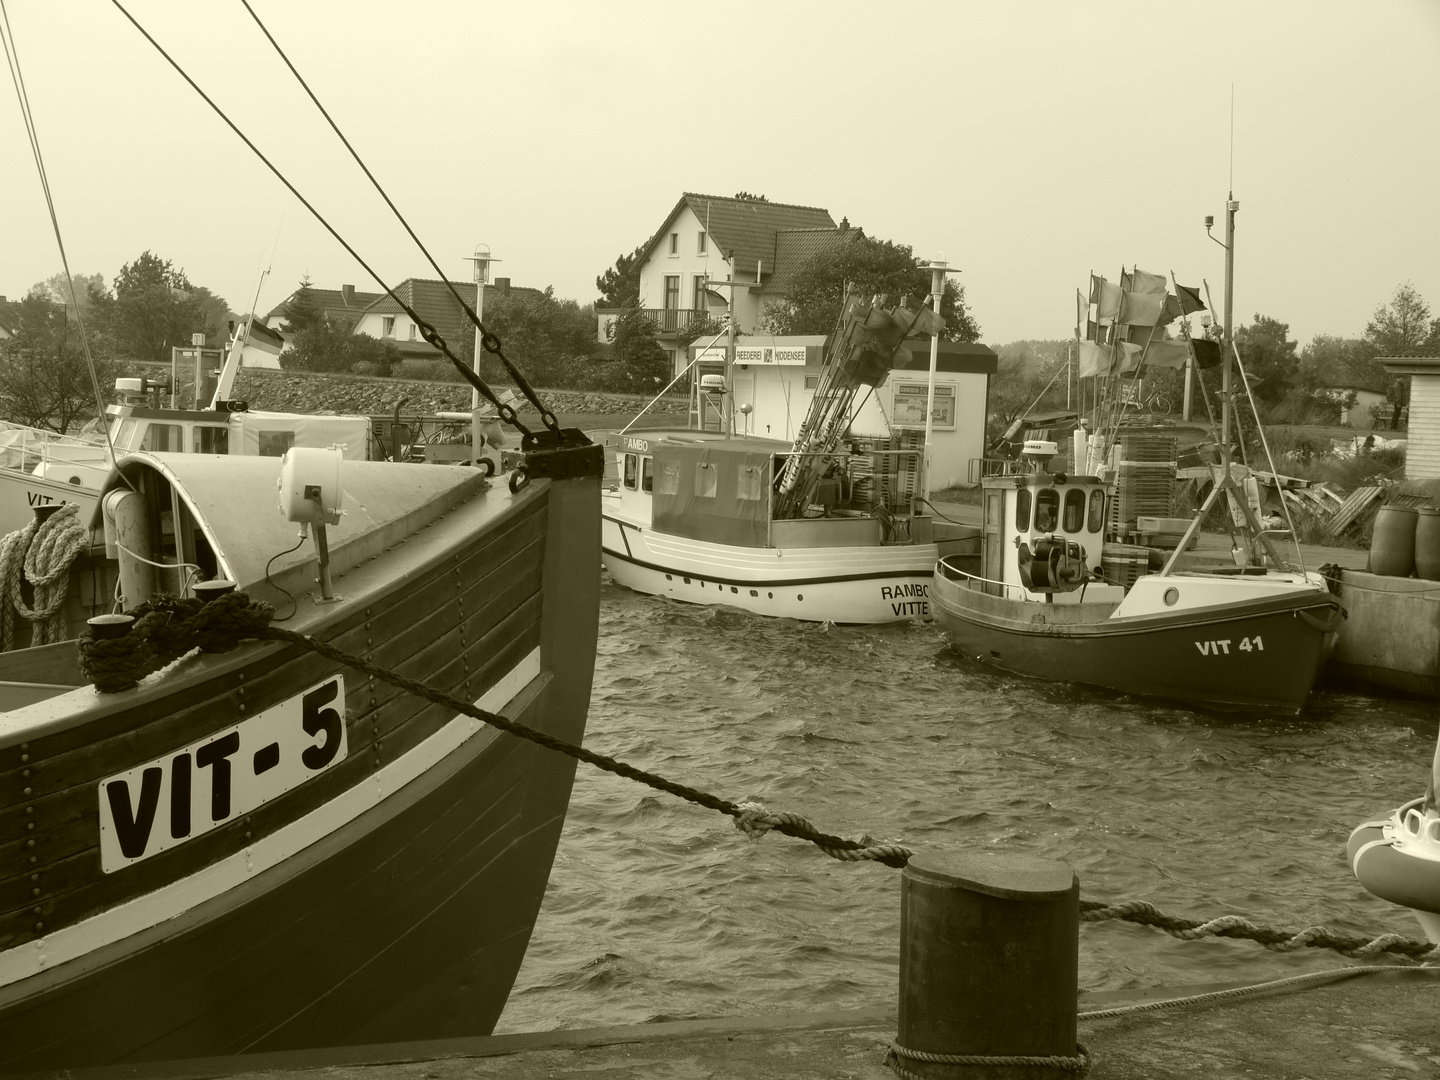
(412,331)
(701,246)
(812,382)
(672,301)
(674,243)
(387,326)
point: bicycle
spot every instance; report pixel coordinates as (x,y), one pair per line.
(1155,402)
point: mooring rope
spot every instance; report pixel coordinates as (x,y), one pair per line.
(40,554)
(1078,1064)
(166,628)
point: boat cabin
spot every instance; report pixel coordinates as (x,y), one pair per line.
(257,434)
(1043,536)
(703,486)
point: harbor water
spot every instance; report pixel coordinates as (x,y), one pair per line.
(658,909)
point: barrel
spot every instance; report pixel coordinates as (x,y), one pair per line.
(1392,542)
(1427,544)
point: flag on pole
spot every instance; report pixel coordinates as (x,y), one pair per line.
(1106,298)
(1093,359)
(1143,282)
(1082,313)
(1168,353)
(1207,352)
(1142,309)
(1189,298)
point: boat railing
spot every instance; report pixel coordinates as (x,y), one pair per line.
(980,468)
(954,573)
(26,448)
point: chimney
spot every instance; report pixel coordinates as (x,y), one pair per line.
(503,284)
(348,292)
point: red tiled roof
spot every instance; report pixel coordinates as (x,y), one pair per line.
(332,303)
(434,303)
(794,246)
(744,229)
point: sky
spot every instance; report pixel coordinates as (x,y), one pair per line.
(1029,144)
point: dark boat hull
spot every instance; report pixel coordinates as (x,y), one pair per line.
(391,899)
(1204,656)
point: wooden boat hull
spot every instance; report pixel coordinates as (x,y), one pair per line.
(389,898)
(1260,655)
(874,584)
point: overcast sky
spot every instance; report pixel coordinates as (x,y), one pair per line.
(1027,143)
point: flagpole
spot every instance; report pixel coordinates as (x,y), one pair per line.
(938,269)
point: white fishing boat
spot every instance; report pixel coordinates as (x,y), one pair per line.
(1052,599)
(828,528)
(40,468)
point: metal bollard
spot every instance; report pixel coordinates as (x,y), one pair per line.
(106,627)
(989,967)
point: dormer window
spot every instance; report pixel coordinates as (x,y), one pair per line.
(674,243)
(700,247)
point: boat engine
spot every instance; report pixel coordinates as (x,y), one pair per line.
(1055,565)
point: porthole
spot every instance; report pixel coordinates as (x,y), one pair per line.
(1171,596)
(770,596)
(687,581)
(734,589)
(754,593)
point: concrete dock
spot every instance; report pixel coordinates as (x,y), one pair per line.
(1368,1026)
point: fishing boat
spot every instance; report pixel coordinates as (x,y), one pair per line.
(1053,599)
(827,528)
(1398,858)
(255,847)
(40,468)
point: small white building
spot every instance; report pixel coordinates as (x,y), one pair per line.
(1422,450)
(777,377)
(1360,414)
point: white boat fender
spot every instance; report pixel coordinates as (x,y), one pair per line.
(1398,859)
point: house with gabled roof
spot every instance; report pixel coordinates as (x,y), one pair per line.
(342,306)
(433,301)
(710,238)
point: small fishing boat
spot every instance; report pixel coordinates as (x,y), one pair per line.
(829,528)
(1053,599)
(39,468)
(1398,858)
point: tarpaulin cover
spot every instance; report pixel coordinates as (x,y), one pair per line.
(719,493)
(267,434)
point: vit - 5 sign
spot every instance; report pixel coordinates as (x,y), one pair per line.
(199,787)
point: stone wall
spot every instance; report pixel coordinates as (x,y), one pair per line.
(312,392)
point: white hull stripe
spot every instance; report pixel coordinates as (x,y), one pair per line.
(178,897)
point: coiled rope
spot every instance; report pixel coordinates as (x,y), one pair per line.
(40,555)
(1079,1064)
(166,628)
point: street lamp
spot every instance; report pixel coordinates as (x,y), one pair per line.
(482,260)
(938,269)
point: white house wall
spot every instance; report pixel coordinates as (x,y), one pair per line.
(688,262)
(1422,452)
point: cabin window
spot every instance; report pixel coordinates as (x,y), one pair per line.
(1047,510)
(275,443)
(1074,510)
(1097,511)
(668,480)
(165,438)
(751,482)
(1022,510)
(632,470)
(123,433)
(706,480)
(647,474)
(212,440)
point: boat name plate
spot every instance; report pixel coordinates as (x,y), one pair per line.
(199,787)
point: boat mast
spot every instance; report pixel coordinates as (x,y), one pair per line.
(1230,207)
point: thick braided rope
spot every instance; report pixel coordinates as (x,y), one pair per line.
(166,629)
(1079,1064)
(12,565)
(46,567)
(890,856)
(754,820)
(1234,926)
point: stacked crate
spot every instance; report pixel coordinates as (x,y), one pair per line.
(1144,480)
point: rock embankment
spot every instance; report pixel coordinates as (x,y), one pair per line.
(313,392)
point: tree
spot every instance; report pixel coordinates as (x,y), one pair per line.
(215,316)
(620,285)
(745,196)
(1269,357)
(154,308)
(44,379)
(57,290)
(328,345)
(1401,324)
(644,364)
(303,309)
(816,291)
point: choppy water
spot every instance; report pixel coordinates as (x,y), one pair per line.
(658,909)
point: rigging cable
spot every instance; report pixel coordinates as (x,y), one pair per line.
(427,331)
(12,57)
(489,340)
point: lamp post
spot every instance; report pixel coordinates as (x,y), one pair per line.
(732,285)
(938,269)
(482,260)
